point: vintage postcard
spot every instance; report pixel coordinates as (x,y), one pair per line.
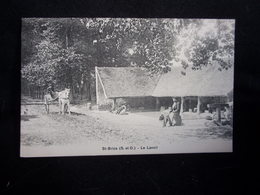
(121,86)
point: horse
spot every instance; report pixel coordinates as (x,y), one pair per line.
(62,97)
(49,97)
(64,100)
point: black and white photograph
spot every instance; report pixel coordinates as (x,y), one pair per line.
(124,86)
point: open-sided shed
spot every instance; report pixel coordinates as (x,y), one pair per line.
(132,82)
(122,82)
(187,84)
(204,82)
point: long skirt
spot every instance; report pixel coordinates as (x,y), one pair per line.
(176,119)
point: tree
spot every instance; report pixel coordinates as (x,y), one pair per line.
(64,51)
(209,42)
(131,42)
(53,62)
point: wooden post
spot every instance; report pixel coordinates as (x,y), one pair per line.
(218,114)
(190,109)
(182,102)
(157,107)
(114,104)
(198,105)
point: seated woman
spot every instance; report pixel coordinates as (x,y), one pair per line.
(121,110)
(165,117)
(227,113)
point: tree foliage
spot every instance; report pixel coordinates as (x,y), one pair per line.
(65,51)
(205,43)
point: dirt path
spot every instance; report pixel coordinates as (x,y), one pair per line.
(87,132)
(38,128)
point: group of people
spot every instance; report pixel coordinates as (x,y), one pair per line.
(171,115)
(121,110)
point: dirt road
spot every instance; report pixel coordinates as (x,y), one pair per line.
(87,132)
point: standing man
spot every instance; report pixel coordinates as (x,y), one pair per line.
(176,118)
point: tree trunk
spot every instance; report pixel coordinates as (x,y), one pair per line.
(33,92)
(88,84)
(83,90)
(38,93)
(89,91)
(29,91)
(68,39)
(80,88)
(42,93)
(72,91)
(96,77)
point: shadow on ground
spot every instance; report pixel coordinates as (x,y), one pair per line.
(218,131)
(72,113)
(28,117)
